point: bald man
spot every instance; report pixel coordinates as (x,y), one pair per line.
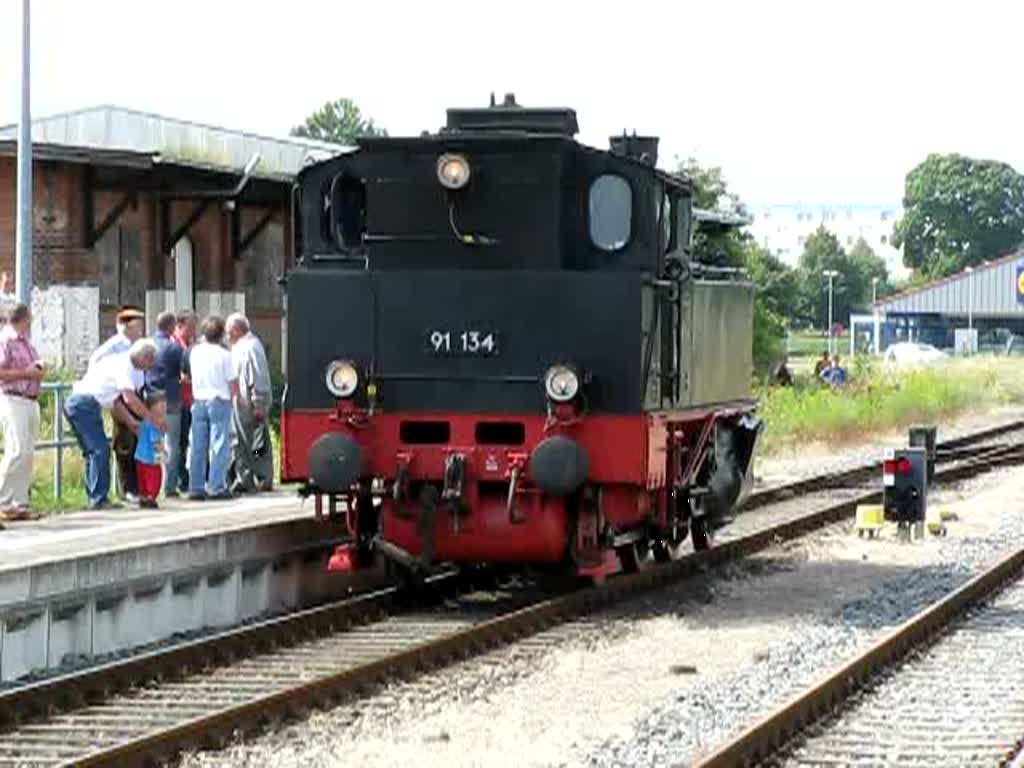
(253,453)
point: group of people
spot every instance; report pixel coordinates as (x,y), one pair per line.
(190,410)
(192,402)
(827,369)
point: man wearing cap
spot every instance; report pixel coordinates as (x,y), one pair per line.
(131,326)
(109,385)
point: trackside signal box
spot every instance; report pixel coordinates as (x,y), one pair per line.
(905,486)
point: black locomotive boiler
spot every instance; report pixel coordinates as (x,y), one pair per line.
(500,349)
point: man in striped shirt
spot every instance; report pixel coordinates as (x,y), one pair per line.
(21,372)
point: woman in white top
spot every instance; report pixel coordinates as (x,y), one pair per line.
(214,387)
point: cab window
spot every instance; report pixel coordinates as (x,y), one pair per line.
(348,211)
(668,206)
(610,212)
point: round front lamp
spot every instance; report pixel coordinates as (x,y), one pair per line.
(561,383)
(342,378)
(453,171)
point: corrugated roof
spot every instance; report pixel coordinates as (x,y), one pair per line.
(990,290)
(86,155)
(183,141)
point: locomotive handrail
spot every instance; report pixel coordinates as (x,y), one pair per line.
(698,267)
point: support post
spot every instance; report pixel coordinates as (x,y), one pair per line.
(58,436)
(88,206)
(130,199)
(241,242)
(23,258)
(193,217)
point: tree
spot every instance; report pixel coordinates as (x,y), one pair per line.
(777,287)
(778,293)
(709,187)
(822,252)
(851,288)
(867,265)
(959,211)
(710,192)
(339,121)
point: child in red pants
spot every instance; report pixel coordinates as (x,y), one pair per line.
(148,450)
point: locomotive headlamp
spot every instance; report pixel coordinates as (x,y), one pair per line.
(342,378)
(453,171)
(562,383)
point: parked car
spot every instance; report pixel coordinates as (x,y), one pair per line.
(912,353)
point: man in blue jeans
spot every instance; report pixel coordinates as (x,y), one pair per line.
(165,375)
(112,384)
(214,388)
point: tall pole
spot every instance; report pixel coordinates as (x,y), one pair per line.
(830,314)
(23,247)
(830,273)
(874,311)
(970,297)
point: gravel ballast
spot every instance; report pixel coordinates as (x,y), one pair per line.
(665,678)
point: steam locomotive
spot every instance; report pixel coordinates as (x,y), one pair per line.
(501,349)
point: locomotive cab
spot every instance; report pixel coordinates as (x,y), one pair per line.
(500,351)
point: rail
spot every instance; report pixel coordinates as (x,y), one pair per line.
(296,661)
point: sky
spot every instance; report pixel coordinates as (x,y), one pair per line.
(815,102)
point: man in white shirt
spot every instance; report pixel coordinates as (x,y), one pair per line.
(252,453)
(131,326)
(114,381)
(214,387)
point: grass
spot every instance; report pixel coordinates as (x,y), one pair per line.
(878,398)
(813,343)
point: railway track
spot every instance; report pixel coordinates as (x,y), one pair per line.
(943,689)
(149,707)
(950,450)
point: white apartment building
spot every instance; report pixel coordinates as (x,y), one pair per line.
(783,228)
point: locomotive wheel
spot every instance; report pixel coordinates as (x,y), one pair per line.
(366,521)
(701,531)
(671,547)
(633,556)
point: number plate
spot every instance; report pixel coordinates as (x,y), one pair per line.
(469,343)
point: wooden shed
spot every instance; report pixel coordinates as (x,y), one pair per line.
(176,224)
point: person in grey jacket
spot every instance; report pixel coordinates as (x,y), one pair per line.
(253,452)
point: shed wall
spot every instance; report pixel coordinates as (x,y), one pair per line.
(128,261)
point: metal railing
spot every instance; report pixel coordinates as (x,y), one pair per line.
(59,442)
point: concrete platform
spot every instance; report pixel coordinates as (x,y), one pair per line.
(80,586)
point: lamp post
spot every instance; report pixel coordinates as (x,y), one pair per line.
(23,236)
(970,297)
(874,312)
(830,273)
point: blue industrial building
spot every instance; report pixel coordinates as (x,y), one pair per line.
(988,298)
